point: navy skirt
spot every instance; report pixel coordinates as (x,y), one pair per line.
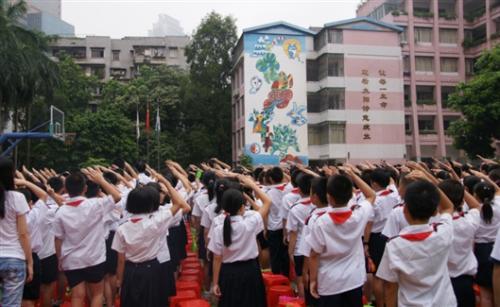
(141,286)
(167,282)
(484,276)
(176,242)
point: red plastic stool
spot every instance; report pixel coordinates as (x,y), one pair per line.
(196,279)
(193,303)
(191,265)
(192,254)
(188,285)
(274,293)
(182,296)
(291,302)
(275,280)
(193,272)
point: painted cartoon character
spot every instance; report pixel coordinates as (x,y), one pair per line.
(255,84)
(292,48)
(292,51)
(296,116)
(268,141)
(283,139)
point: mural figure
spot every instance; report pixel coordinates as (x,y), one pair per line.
(255,148)
(296,116)
(283,138)
(268,141)
(255,84)
(292,48)
(268,66)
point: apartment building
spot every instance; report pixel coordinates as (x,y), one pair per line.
(121,59)
(440,43)
(324,94)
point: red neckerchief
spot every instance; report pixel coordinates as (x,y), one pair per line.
(75,203)
(419,236)
(456,217)
(306,202)
(281,187)
(340,217)
(385,192)
(136,219)
(295,190)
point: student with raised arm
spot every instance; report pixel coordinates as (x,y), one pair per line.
(415,264)
(237,279)
(337,259)
(80,236)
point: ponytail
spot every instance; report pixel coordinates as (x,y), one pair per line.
(487,211)
(485,192)
(6,182)
(227,230)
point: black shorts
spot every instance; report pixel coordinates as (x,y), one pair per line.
(352,298)
(299,265)
(484,275)
(49,269)
(262,240)
(93,274)
(111,255)
(376,247)
(32,290)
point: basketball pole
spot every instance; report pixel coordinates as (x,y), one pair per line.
(158,129)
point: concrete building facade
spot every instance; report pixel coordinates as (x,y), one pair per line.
(440,43)
(318,95)
(121,59)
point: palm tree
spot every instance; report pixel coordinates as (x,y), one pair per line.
(27,70)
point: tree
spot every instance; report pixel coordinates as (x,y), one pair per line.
(207,105)
(479,102)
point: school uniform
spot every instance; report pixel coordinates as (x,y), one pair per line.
(289,199)
(462,263)
(384,203)
(417,260)
(140,239)
(297,217)
(111,223)
(176,241)
(144,179)
(47,253)
(397,221)
(336,237)
(240,279)
(167,269)
(79,224)
(495,253)
(483,245)
(277,249)
(199,205)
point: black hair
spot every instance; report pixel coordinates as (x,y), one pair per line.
(381,177)
(294,172)
(339,187)
(221,186)
(141,166)
(256,173)
(26,193)
(443,175)
(304,183)
(6,181)
(92,189)
(140,200)
(455,192)
(238,170)
(119,162)
(156,193)
(232,201)
(495,176)
(421,199)
(191,177)
(56,183)
(470,182)
(208,179)
(75,184)
(275,174)
(366,175)
(167,173)
(110,177)
(318,188)
(393,174)
(485,192)
(263,177)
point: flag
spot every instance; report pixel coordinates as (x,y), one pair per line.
(137,130)
(147,118)
(158,125)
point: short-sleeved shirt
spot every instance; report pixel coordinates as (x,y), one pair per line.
(244,230)
(200,203)
(297,217)
(275,220)
(487,232)
(305,247)
(336,237)
(140,238)
(48,249)
(208,215)
(288,200)
(495,253)
(461,260)
(385,201)
(397,221)
(35,218)
(79,224)
(417,260)
(15,205)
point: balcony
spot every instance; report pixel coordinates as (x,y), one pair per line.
(118,73)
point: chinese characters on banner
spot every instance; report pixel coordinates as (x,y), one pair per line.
(383,89)
(366,105)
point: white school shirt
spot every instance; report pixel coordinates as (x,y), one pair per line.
(488,232)
(297,217)
(385,201)
(461,260)
(397,221)
(79,223)
(15,205)
(243,235)
(144,179)
(495,253)
(199,204)
(35,218)
(140,238)
(336,237)
(274,220)
(164,252)
(289,199)
(48,248)
(208,215)
(417,261)
(305,247)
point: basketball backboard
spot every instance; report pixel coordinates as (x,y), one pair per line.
(56,125)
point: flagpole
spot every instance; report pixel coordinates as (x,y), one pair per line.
(137,130)
(158,129)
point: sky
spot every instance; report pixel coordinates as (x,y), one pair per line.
(119,18)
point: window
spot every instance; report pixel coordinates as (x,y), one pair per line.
(449,65)
(332,99)
(242,108)
(312,70)
(423,63)
(445,92)
(242,143)
(320,40)
(326,133)
(331,65)
(313,134)
(335,36)
(406,65)
(337,132)
(116,55)
(98,72)
(447,120)
(423,35)
(172,52)
(313,102)
(448,36)
(426,124)
(407,94)
(408,124)
(469,67)
(425,94)
(97,52)
(403,36)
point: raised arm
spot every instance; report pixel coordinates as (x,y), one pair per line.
(41,194)
(370,195)
(266,201)
(177,201)
(96,176)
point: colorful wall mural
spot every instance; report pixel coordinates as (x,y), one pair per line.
(275,98)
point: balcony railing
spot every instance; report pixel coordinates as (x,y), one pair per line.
(473,42)
(472,15)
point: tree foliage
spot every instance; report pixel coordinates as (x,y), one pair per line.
(479,102)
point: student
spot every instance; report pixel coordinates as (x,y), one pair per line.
(79,232)
(237,279)
(489,224)
(337,260)
(277,249)
(495,257)
(289,199)
(138,242)
(143,177)
(414,265)
(297,216)
(16,265)
(462,264)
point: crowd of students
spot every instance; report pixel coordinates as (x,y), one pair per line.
(415,234)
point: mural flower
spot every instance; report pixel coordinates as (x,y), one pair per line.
(268,66)
(282,139)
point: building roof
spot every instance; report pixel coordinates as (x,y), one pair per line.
(360,23)
(278,24)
